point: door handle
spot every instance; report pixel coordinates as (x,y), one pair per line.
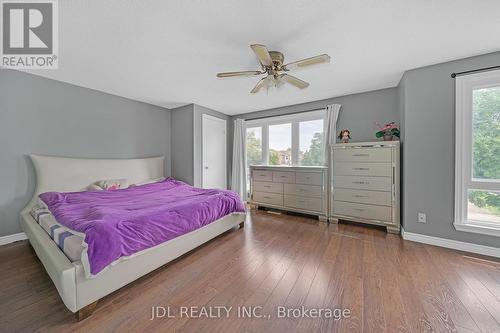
(206,168)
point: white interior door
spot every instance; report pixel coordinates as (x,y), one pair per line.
(214,152)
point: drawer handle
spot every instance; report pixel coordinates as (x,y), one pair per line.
(362,169)
(302,190)
(263,175)
(360,155)
(360,196)
(267,198)
(283,176)
(267,186)
(301,201)
(359,182)
(358,209)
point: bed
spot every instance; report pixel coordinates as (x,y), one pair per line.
(78,291)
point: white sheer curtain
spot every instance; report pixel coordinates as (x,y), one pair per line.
(239,170)
(332,114)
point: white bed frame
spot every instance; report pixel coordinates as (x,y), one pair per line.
(63,174)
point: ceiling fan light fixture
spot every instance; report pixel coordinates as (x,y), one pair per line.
(272,82)
(272,64)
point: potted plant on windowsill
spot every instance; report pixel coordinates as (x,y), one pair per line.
(388,131)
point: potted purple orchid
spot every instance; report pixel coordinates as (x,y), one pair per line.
(388,131)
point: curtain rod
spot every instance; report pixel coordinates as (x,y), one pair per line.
(453,75)
(285,114)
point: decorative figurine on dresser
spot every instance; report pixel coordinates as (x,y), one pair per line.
(365,183)
(344,136)
(301,189)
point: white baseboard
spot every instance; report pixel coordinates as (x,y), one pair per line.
(451,244)
(12,238)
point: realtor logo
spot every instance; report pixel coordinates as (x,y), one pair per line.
(29,34)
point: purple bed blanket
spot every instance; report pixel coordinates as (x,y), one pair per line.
(122,222)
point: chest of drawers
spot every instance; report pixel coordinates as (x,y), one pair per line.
(297,189)
(365,183)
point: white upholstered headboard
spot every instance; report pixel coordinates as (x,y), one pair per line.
(67,174)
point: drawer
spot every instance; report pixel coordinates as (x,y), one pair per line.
(363,183)
(309,204)
(362,169)
(362,196)
(269,198)
(309,178)
(283,177)
(362,155)
(262,175)
(303,190)
(381,213)
(267,187)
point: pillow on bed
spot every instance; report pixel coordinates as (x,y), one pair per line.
(149,181)
(93,187)
(108,184)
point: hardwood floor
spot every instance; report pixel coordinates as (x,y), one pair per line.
(389,285)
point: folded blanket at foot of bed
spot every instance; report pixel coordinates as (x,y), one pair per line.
(66,239)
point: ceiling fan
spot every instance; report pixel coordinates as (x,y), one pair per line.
(272,65)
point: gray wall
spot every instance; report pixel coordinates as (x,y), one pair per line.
(187,142)
(428,145)
(43,116)
(359,111)
(182,143)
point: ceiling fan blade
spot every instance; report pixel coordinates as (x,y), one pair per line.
(258,86)
(242,73)
(307,62)
(294,81)
(263,54)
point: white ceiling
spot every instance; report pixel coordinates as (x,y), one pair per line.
(168,52)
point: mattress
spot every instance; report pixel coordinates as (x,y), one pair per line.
(69,241)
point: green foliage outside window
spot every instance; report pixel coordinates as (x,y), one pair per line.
(312,156)
(274,158)
(254,149)
(486,145)
(486,132)
(315,154)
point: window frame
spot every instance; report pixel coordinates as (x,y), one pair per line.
(464,181)
(294,120)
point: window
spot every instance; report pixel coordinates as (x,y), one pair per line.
(286,140)
(477,153)
(280,144)
(311,146)
(253,148)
